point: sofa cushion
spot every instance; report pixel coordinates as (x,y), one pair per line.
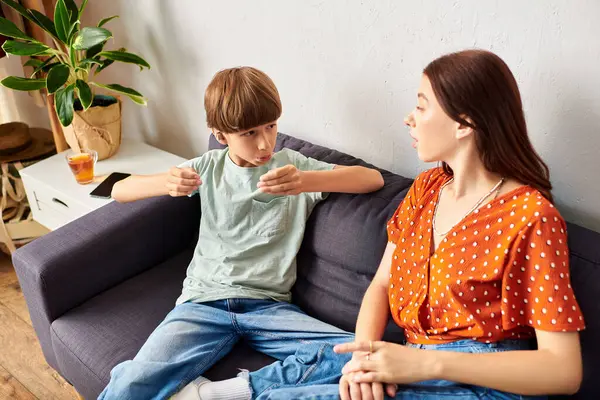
(91,339)
(111,327)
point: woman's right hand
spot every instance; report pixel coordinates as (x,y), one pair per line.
(182,181)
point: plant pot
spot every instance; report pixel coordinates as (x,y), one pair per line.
(98,128)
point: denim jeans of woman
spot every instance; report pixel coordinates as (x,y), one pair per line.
(434,389)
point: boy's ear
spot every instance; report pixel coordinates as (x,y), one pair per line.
(220,137)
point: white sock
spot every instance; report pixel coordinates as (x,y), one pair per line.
(190,392)
(231,389)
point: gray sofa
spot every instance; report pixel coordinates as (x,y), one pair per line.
(97,287)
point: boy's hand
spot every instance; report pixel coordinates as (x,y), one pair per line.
(284,181)
(182,181)
(350,390)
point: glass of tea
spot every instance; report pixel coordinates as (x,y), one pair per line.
(82,164)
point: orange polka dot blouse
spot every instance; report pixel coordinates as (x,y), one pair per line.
(500,273)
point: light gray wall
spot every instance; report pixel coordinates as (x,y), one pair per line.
(348,70)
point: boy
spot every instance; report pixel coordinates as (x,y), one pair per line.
(254,204)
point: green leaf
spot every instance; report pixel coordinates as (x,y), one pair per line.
(88,61)
(73,32)
(125,57)
(33,62)
(131,93)
(57,77)
(24,84)
(25,49)
(90,37)
(73,19)
(7,28)
(45,66)
(20,9)
(105,20)
(93,51)
(62,21)
(45,22)
(105,64)
(73,10)
(84,93)
(83,4)
(73,55)
(63,104)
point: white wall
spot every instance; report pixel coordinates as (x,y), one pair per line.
(348,70)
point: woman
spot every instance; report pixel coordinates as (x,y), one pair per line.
(477,260)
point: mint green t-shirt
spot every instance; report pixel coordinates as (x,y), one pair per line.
(248,240)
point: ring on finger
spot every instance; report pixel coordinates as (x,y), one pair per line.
(370,346)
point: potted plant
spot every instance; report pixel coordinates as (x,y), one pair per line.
(66,72)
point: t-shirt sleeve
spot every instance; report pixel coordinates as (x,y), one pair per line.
(304,163)
(198,164)
(404,212)
(537,288)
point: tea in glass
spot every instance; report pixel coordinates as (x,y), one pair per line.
(82,165)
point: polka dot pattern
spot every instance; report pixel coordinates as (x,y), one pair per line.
(499,274)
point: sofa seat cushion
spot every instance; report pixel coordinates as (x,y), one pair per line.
(111,327)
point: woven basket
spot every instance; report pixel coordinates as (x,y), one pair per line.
(98,128)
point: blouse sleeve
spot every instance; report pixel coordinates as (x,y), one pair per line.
(405,210)
(537,288)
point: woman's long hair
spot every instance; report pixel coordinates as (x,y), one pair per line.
(477,85)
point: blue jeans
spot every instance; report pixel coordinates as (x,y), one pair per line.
(423,390)
(193,337)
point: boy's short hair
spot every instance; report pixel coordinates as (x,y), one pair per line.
(238,99)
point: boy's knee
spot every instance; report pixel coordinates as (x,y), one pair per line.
(320,353)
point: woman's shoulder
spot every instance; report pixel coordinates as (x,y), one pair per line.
(430,179)
(532,207)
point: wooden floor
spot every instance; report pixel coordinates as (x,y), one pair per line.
(24,373)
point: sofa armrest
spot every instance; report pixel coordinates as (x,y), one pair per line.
(66,267)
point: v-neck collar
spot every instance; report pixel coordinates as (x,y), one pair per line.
(430,245)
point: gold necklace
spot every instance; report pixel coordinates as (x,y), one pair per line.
(476,206)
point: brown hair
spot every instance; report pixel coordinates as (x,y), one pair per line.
(477,85)
(241,98)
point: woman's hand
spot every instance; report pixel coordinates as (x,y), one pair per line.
(388,363)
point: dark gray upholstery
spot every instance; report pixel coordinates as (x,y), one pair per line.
(584,246)
(69,266)
(97,287)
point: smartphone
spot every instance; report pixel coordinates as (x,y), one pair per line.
(104,189)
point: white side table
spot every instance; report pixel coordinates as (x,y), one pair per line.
(57,199)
